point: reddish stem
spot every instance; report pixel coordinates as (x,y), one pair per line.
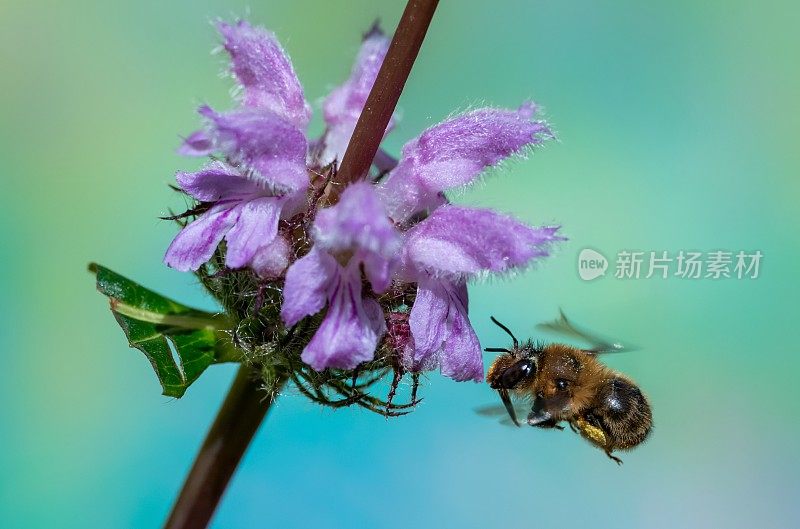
(237,421)
(386,91)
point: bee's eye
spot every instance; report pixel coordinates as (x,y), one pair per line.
(562,384)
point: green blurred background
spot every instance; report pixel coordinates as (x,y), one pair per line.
(678,126)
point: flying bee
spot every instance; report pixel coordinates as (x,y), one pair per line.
(569,384)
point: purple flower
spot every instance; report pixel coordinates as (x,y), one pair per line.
(243,213)
(453,153)
(265,149)
(455,244)
(355,232)
(459,243)
(382,242)
(441,253)
(269,149)
(265,72)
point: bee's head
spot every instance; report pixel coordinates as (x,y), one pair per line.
(517,363)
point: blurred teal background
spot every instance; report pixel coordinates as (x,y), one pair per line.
(678,130)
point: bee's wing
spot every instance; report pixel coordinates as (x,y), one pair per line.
(507,421)
(490,410)
(597,344)
(499,411)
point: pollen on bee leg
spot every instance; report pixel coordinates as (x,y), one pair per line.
(592,433)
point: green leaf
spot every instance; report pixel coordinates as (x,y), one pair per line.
(157,326)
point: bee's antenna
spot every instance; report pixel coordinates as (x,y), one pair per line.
(496,350)
(516,342)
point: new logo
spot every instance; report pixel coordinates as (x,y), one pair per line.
(591,264)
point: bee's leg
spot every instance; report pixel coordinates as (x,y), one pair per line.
(541,418)
(572,427)
(615,458)
(550,423)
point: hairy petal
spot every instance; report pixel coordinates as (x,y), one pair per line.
(461,358)
(358,224)
(272,259)
(459,243)
(195,244)
(256,227)
(346,101)
(265,72)
(198,143)
(453,153)
(215,182)
(344,104)
(270,147)
(351,329)
(428,323)
(308,282)
(441,332)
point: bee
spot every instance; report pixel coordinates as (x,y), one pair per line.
(564,383)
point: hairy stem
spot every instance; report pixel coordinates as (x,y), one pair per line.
(237,421)
(386,91)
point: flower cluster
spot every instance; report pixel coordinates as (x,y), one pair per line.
(380,266)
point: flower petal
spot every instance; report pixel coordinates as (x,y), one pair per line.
(308,281)
(269,146)
(197,143)
(428,324)
(256,227)
(462,358)
(272,259)
(344,104)
(215,182)
(441,332)
(195,244)
(358,223)
(460,243)
(454,152)
(265,72)
(351,329)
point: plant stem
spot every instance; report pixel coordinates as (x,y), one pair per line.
(245,405)
(237,421)
(383,97)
